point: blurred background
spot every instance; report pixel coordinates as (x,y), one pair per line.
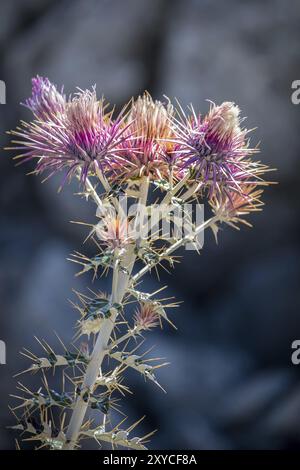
(231,383)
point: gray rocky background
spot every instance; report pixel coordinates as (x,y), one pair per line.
(231,384)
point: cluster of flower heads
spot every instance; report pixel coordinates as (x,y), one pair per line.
(150,138)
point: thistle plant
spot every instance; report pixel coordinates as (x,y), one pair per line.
(164,161)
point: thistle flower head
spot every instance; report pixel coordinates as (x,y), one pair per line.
(46,101)
(75,135)
(147,316)
(223,122)
(148,149)
(232,207)
(151,119)
(92,136)
(215,149)
(114,231)
(85,112)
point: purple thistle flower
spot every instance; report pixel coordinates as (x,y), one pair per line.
(46,101)
(83,136)
(215,149)
(94,139)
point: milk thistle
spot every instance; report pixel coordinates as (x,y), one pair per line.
(150,148)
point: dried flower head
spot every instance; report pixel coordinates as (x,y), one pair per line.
(147,151)
(231,208)
(114,231)
(147,316)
